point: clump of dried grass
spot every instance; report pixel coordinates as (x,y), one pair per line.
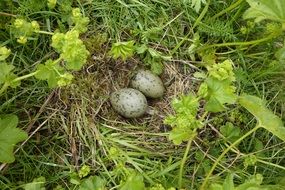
(85,110)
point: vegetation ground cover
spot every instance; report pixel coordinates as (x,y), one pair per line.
(219,125)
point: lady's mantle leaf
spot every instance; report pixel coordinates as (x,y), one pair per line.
(218,88)
(72,49)
(196,4)
(53,74)
(37,184)
(229,183)
(93,182)
(264,116)
(184,122)
(9,136)
(220,92)
(6,70)
(181,133)
(134,181)
(266,9)
(4,53)
(231,132)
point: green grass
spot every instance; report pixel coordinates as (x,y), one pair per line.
(75,126)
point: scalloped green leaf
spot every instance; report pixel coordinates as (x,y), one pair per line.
(134,181)
(184,122)
(6,70)
(9,137)
(265,117)
(37,184)
(93,182)
(266,9)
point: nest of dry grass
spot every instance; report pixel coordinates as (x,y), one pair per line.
(83,109)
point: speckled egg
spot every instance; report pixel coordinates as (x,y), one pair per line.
(129,102)
(148,83)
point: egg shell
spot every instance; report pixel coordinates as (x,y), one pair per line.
(148,83)
(129,102)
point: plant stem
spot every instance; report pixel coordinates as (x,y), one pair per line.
(231,7)
(45,32)
(224,153)
(271,164)
(24,76)
(7,14)
(7,84)
(183,161)
(237,43)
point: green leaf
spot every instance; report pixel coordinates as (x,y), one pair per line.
(134,181)
(23,29)
(37,184)
(231,132)
(199,75)
(4,53)
(151,34)
(186,105)
(74,178)
(84,171)
(157,187)
(196,4)
(50,71)
(79,20)
(208,56)
(10,80)
(141,49)
(229,183)
(258,147)
(265,117)
(7,76)
(53,74)
(184,122)
(51,4)
(9,137)
(193,47)
(222,71)
(280,54)
(6,70)
(93,183)
(122,49)
(154,53)
(218,88)
(216,186)
(266,9)
(180,134)
(219,92)
(213,105)
(254,183)
(72,49)
(153,58)
(156,67)
(64,79)
(58,41)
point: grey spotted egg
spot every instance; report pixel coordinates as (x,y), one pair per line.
(148,83)
(129,102)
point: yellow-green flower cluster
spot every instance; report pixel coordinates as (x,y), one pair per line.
(51,4)
(23,29)
(4,53)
